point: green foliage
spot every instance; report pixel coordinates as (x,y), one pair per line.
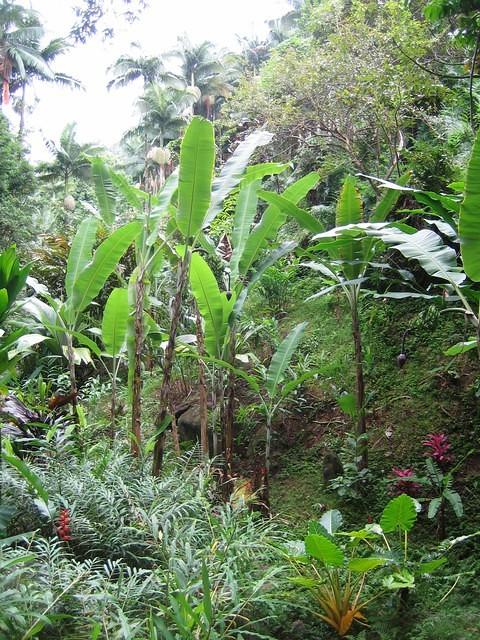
(17,184)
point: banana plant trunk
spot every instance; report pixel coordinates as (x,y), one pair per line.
(230,406)
(202,387)
(72,376)
(113,400)
(159,448)
(359,387)
(268,450)
(136,435)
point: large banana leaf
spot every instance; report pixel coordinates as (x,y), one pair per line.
(272,220)
(304,219)
(162,206)
(281,359)
(349,211)
(90,282)
(233,171)
(469,223)
(135,197)
(245,211)
(213,305)
(114,322)
(259,171)
(197,157)
(104,190)
(427,247)
(80,252)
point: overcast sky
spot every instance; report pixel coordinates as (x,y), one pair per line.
(102,116)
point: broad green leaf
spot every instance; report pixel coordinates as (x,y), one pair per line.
(323,549)
(281,358)
(259,171)
(233,171)
(331,520)
(348,404)
(389,200)
(400,580)
(430,567)
(399,514)
(104,190)
(304,219)
(469,221)
(245,211)
(90,282)
(361,565)
(213,305)
(349,206)
(80,252)
(454,501)
(304,581)
(272,220)
(349,211)
(197,157)
(462,347)
(114,322)
(135,197)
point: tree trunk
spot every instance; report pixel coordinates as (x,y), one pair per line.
(113,401)
(136,433)
(168,363)
(230,407)
(268,449)
(359,388)
(21,127)
(71,371)
(202,387)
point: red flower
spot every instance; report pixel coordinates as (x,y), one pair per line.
(439,447)
(63,529)
(404,484)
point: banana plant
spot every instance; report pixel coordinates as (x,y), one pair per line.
(342,261)
(87,272)
(114,338)
(199,199)
(252,249)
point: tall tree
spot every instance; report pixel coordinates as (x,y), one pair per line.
(201,68)
(20,33)
(70,158)
(127,69)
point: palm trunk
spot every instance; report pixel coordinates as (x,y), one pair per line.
(168,363)
(21,127)
(359,388)
(136,434)
(202,388)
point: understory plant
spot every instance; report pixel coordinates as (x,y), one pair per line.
(345,572)
(143,557)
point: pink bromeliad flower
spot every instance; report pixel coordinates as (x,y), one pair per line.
(439,447)
(404,483)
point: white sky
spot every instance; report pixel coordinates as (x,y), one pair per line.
(103,116)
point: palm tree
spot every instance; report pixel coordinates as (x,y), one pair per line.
(127,69)
(70,158)
(201,68)
(20,33)
(55,48)
(163,116)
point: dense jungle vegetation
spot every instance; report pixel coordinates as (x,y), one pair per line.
(239,352)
